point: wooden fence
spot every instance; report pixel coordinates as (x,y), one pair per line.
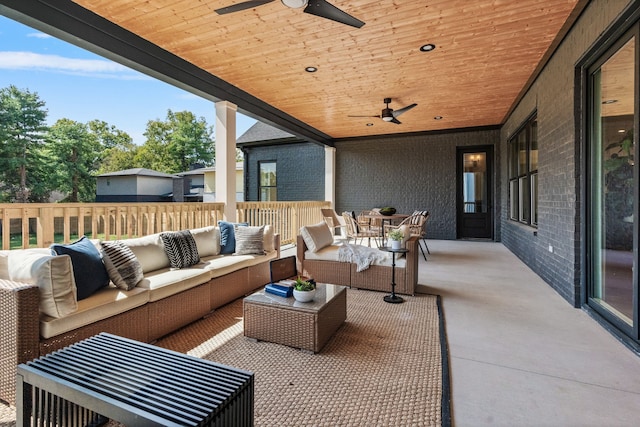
(24,225)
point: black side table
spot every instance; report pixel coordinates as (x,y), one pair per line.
(393,298)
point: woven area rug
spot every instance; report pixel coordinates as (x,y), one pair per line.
(387,365)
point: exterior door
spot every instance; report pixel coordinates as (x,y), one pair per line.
(475,195)
(612,224)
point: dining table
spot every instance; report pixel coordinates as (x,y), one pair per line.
(389,219)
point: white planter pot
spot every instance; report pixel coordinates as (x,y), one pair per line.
(304,296)
(396,244)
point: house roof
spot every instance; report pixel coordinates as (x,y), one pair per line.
(202,171)
(138,172)
(262,132)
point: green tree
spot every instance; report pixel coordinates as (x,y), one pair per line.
(177,143)
(117,147)
(76,153)
(22,130)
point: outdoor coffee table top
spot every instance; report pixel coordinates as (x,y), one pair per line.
(324,294)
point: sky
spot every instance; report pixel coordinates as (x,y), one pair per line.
(82,86)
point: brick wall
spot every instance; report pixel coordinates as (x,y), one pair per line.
(552,95)
(408,173)
(299,168)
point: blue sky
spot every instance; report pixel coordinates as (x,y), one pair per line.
(81,86)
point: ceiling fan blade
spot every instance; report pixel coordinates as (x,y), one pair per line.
(324,9)
(396,121)
(396,113)
(241,6)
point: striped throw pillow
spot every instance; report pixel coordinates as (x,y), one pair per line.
(250,240)
(123,267)
(181,248)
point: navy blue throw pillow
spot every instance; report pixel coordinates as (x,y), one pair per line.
(228,236)
(88,270)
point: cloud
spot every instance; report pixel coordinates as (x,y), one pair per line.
(99,68)
(39,35)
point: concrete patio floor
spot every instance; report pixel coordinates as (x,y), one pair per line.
(520,355)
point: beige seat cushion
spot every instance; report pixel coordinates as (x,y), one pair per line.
(166,282)
(225,264)
(105,303)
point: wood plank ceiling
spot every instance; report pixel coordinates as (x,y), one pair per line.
(486,52)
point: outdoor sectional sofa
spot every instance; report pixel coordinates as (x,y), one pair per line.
(318,257)
(165,299)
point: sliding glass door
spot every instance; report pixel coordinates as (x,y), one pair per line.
(612,185)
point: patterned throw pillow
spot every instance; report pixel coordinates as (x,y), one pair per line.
(249,240)
(122,265)
(181,248)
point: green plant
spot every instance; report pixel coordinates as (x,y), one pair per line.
(396,234)
(303,285)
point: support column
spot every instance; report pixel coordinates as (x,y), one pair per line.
(225,130)
(330,175)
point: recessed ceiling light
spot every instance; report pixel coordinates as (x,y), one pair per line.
(311,69)
(369,124)
(437,118)
(427,47)
(609,101)
(622,130)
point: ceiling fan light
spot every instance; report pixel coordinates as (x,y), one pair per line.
(295,4)
(387,114)
(387,118)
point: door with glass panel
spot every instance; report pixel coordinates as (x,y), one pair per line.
(475,200)
(612,187)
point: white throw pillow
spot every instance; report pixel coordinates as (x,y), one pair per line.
(316,236)
(54,276)
(207,240)
(268,239)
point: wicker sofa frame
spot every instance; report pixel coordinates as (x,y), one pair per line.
(20,340)
(375,278)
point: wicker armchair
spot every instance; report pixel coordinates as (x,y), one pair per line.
(357,231)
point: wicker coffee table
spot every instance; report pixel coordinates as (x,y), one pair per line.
(304,325)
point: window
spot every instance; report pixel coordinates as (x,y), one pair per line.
(523,174)
(267,188)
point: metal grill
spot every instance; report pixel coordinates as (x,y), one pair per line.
(109,377)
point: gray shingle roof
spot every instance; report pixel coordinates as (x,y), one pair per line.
(263,132)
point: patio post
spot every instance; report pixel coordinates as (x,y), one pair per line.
(225,130)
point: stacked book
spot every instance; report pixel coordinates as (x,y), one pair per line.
(282,288)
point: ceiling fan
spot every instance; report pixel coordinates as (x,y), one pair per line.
(391,115)
(320,8)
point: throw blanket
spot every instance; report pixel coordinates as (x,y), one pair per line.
(361,256)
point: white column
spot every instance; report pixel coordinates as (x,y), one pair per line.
(225,130)
(330,175)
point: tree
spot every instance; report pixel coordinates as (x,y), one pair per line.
(117,147)
(76,153)
(22,130)
(177,143)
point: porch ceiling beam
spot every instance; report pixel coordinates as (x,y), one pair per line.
(74,24)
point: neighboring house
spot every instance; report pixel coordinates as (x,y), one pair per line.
(134,185)
(201,183)
(280,166)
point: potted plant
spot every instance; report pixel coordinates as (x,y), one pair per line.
(304,290)
(395,237)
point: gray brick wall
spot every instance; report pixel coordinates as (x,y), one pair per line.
(552,95)
(299,168)
(408,173)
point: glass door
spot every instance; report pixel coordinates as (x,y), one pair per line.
(475,218)
(613,188)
